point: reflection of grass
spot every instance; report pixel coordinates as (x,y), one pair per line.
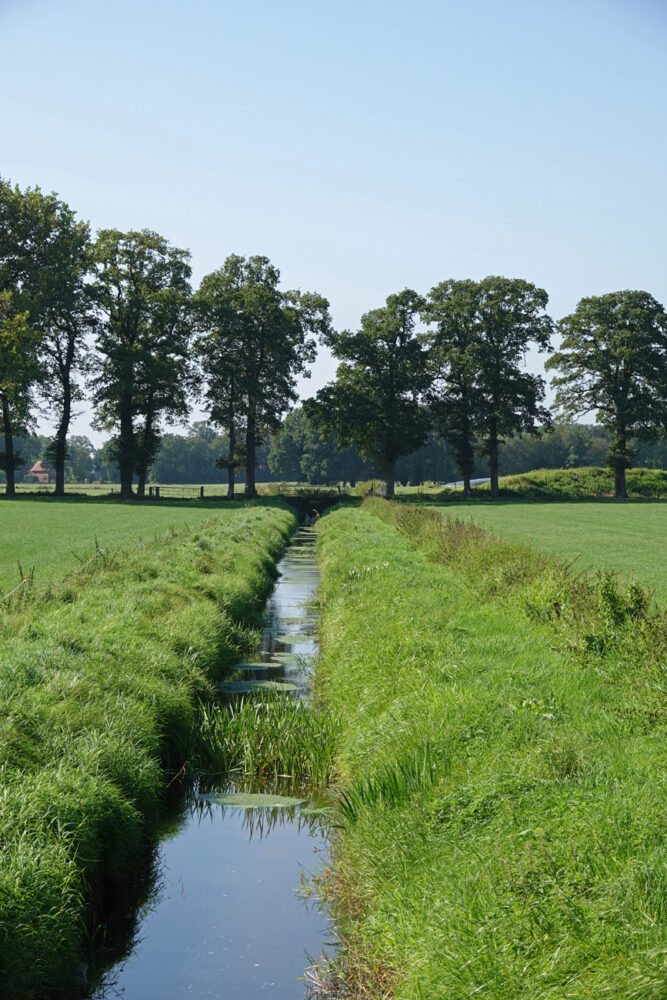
(502,745)
(99,680)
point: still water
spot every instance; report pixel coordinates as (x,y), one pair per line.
(228,919)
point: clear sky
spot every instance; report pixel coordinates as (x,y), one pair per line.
(363,146)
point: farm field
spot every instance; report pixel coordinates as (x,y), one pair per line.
(628,538)
(49,535)
(500,828)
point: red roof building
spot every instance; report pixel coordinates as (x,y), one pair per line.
(39,473)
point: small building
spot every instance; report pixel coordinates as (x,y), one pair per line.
(39,473)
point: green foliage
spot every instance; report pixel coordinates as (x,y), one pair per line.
(277,737)
(529,855)
(100,679)
(613,360)
(142,372)
(374,403)
(299,453)
(257,340)
(544,484)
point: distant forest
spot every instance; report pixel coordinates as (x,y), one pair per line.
(295,453)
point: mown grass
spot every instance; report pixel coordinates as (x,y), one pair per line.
(502,760)
(54,537)
(100,678)
(627,538)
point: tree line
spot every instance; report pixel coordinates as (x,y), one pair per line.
(116,317)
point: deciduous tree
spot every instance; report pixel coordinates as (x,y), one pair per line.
(510,318)
(142,293)
(374,404)
(265,341)
(454,395)
(613,361)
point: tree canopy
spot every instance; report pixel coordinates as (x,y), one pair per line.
(374,404)
(257,340)
(613,361)
(142,367)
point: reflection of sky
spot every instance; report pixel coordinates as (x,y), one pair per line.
(288,613)
(228,922)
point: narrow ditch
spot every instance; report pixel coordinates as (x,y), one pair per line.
(226,918)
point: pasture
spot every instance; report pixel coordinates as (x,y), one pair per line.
(54,536)
(628,538)
(500,829)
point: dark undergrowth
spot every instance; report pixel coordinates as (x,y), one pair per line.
(502,764)
(100,679)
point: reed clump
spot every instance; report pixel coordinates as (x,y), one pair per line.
(100,679)
(270,736)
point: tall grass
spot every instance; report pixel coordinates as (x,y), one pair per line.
(100,678)
(528,859)
(272,737)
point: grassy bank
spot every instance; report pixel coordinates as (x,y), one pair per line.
(503,766)
(54,537)
(586,483)
(99,679)
(626,537)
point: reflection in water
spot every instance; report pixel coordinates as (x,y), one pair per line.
(226,920)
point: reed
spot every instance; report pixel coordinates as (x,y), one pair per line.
(274,736)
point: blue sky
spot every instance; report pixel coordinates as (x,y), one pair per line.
(363,147)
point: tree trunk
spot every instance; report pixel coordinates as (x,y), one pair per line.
(60,450)
(390,477)
(126,448)
(493,458)
(230,467)
(10,489)
(620,490)
(620,460)
(466,487)
(250,440)
(142,474)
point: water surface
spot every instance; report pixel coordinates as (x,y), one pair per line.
(228,919)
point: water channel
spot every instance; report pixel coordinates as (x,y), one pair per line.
(227,919)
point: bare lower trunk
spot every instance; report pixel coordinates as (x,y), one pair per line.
(60,450)
(10,489)
(493,459)
(251,440)
(230,467)
(389,481)
(126,454)
(142,474)
(620,489)
(466,487)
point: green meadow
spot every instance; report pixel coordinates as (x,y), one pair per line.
(55,536)
(627,537)
(500,826)
(101,679)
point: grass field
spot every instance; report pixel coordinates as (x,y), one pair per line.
(50,534)
(629,538)
(100,679)
(501,817)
